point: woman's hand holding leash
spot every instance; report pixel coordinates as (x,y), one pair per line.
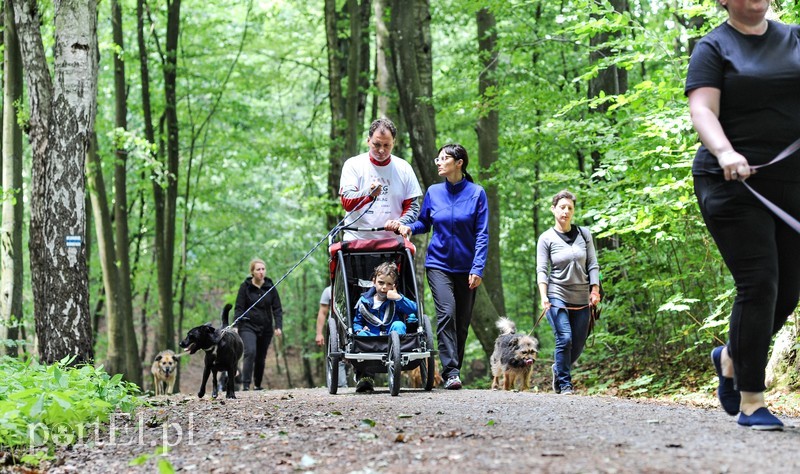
(594,298)
(734,166)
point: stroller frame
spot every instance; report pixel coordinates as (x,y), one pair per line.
(351,267)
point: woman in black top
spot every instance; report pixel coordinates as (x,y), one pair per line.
(256,328)
(744,101)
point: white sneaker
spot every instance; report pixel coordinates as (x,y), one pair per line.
(453,383)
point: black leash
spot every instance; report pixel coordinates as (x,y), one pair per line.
(333,231)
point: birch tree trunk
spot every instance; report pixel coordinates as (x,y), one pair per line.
(62,113)
(11,235)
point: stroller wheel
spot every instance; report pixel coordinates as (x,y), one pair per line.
(394,368)
(331,361)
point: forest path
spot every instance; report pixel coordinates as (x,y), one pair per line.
(308,430)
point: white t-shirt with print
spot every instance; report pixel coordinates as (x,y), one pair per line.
(399,183)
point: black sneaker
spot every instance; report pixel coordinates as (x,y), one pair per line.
(556,387)
(257,387)
(365,384)
(453,383)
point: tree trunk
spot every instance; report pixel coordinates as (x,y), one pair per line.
(149,133)
(166,198)
(62,118)
(357,74)
(411,59)
(383,76)
(115,353)
(488,150)
(412,63)
(133,365)
(783,362)
(11,235)
(309,346)
(348,69)
(385,103)
(609,81)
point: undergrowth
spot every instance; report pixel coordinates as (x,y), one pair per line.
(56,405)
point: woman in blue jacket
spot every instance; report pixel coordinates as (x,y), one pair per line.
(458,211)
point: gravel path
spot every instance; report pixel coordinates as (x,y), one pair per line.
(308,430)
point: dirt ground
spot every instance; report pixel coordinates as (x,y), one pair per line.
(309,430)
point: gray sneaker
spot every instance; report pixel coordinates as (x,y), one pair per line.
(453,383)
(556,387)
(567,391)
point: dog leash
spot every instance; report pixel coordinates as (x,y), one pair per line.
(785,217)
(544,311)
(315,247)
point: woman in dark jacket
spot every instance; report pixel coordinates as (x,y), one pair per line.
(458,212)
(256,328)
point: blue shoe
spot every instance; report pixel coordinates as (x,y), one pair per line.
(762,420)
(729,397)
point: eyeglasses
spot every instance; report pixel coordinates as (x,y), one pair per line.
(440,159)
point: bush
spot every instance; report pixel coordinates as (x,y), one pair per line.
(41,404)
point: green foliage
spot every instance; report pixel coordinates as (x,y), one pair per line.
(162,463)
(254,130)
(57,404)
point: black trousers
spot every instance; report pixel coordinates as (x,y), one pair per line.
(255,355)
(454,301)
(763,256)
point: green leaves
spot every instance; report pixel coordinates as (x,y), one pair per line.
(55,404)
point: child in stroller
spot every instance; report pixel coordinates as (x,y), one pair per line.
(380,311)
(382,306)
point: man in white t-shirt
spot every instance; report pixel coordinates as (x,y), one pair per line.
(381,177)
(322,320)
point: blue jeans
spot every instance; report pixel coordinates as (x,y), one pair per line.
(570,328)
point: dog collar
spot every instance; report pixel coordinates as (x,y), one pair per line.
(212,350)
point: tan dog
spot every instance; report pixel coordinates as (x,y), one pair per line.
(164,370)
(513,357)
(415,377)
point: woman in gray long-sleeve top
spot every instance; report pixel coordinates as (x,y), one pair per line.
(569,282)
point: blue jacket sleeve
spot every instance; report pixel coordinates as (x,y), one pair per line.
(423,222)
(358,321)
(405,306)
(481,235)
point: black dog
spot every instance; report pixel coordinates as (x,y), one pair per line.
(223,348)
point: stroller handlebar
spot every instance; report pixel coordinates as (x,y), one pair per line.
(363,229)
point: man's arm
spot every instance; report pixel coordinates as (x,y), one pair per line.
(322,316)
